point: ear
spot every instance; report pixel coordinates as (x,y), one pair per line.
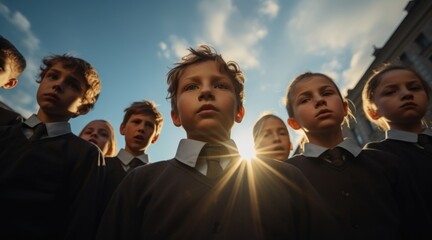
(176,119)
(122,129)
(240,115)
(345,106)
(293,124)
(373,114)
(155,138)
(11,83)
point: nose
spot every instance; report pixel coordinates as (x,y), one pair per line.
(206,93)
(276,138)
(58,85)
(406,94)
(320,101)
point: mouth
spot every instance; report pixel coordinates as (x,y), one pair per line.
(139,137)
(207,108)
(323,112)
(278,148)
(92,141)
(408,105)
(52,96)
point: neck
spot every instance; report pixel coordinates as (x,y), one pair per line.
(415,127)
(46,118)
(329,140)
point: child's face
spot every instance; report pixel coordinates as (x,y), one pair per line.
(273,140)
(59,94)
(317,106)
(400,99)
(98,133)
(6,81)
(139,132)
(206,103)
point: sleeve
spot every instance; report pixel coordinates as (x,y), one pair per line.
(84,191)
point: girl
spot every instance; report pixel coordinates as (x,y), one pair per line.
(366,190)
(271,138)
(100,133)
(396,99)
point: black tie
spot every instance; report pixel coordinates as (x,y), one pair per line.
(334,156)
(38,131)
(135,163)
(212,154)
(425,141)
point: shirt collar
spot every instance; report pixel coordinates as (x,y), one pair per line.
(125,157)
(188,150)
(406,136)
(54,129)
(313,150)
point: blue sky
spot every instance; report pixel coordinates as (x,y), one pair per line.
(134,43)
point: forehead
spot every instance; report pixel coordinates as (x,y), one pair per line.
(98,124)
(398,75)
(312,84)
(273,123)
(143,117)
(202,69)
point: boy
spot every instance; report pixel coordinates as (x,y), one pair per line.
(12,64)
(49,178)
(207,191)
(141,126)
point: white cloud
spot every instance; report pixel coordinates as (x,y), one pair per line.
(269,8)
(233,33)
(331,28)
(18,20)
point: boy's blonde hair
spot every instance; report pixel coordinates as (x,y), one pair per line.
(144,107)
(84,70)
(373,82)
(201,54)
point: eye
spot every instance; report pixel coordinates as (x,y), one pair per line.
(303,100)
(388,92)
(74,84)
(51,76)
(283,132)
(416,87)
(190,87)
(150,125)
(221,85)
(328,93)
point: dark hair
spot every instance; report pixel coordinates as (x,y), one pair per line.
(147,108)
(17,60)
(84,70)
(373,82)
(201,54)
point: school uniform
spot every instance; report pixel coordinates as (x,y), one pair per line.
(367,191)
(116,169)
(50,187)
(8,117)
(176,199)
(416,158)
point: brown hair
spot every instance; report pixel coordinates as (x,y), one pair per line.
(201,54)
(17,60)
(147,108)
(84,70)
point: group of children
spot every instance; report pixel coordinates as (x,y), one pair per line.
(57,185)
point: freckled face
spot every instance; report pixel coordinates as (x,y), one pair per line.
(400,98)
(59,94)
(206,103)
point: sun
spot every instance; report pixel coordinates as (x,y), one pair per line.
(245,145)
